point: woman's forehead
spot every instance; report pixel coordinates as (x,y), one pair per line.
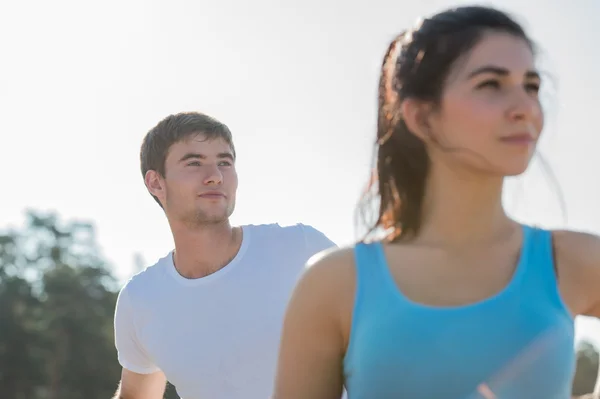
(501,51)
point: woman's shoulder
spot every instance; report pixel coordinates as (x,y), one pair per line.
(579,251)
(577,258)
(332,267)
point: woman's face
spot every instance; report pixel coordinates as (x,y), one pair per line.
(490,117)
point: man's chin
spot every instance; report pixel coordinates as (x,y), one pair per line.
(212,219)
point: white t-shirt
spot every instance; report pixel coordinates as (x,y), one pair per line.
(216,337)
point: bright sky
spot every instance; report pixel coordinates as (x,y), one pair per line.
(82,82)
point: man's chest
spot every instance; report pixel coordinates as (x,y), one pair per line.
(225,346)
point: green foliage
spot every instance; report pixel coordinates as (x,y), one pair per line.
(587,369)
(57,299)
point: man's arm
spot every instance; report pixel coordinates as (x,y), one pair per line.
(141,386)
(140,378)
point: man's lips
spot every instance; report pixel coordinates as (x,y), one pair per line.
(212,194)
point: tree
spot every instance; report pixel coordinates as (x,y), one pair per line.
(57,298)
(21,349)
(587,369)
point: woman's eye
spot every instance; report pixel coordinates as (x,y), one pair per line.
(489,83)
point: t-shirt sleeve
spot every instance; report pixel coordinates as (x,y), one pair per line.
(316,241)
(130,352)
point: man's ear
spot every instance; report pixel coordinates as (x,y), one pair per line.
(155,184)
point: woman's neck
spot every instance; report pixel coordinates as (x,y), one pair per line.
(462,209)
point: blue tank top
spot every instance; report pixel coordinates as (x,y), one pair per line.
(518,344)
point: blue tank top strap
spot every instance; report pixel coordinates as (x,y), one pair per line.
(541,274)
(371,268)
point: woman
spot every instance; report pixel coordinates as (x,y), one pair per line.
(458,300)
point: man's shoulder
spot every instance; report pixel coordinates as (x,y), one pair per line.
(305,239)
(269,230)
(148,279)
(278,231)
(275,226)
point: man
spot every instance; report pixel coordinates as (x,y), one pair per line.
(207,316)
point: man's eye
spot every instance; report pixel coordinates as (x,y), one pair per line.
(533,87)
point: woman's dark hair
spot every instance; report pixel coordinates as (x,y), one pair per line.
(416,65)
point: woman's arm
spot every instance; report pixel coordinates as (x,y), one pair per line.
(312,342)
(578,262)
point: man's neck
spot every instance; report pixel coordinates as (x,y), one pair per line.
(206,249)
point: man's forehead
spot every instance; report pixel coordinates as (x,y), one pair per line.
(202,141)
(201,146)
(204,138)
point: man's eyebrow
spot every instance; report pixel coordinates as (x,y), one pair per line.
(196,155)
(226,155)
(192,155)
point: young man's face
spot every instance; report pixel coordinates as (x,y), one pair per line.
(200,182)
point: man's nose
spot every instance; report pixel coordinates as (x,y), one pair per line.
(214,176)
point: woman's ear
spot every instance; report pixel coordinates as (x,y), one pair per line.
(416,115)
